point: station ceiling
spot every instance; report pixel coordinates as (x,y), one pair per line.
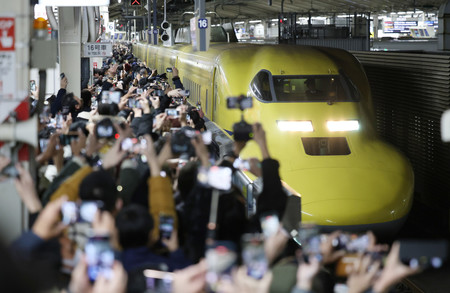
(260,9)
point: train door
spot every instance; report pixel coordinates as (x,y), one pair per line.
(214,96)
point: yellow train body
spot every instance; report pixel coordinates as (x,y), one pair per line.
(371,187)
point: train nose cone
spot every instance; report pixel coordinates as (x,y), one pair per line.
(350,196)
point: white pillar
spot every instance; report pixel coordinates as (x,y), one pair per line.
(70,46)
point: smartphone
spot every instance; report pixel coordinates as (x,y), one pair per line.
(139,91)
(243,165)
(158,281)
(32,85)
(133,145)
(133,103)
(221,258)
(73,212)
(424,253)
(185,93)
(59,120)
(62,75)
(292,216)
(219,178)
(172,113)
(253,255)
(66,139)
(165,226)
(269,224)
(99,257)
(169,69)
(43,144)
(241,102)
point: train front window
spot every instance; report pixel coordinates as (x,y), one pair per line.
(319,88)
(303,88)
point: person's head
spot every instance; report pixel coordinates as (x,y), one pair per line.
(310,83)
(70,104)
(134,225)
(100,185)
(143,72)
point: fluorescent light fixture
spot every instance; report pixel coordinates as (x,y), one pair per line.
(239,22)
(274,20)
(305,126)
(74,3)
(348,125)
(254,21)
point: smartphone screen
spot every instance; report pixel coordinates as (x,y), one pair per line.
(221,258)
(99,257)
(165,226)
(219,178)
(269,224)
(173,113)
(254,256)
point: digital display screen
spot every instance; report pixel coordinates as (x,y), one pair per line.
(398,26)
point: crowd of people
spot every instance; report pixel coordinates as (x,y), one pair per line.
(133,195)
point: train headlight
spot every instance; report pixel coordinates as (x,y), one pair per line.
(305,126)
(348,125)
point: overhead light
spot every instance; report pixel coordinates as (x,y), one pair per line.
(274,20)
(74,3)
(239,22)
(348,125)
(305,126)
(254,21)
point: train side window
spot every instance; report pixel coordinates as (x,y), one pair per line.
(260,86)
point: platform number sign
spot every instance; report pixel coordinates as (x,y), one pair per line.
(202,23)
(135,2)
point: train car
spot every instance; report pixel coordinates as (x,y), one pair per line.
(315,105)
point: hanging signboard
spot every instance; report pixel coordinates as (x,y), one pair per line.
(97,50)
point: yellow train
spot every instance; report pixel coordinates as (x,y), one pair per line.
(315,105)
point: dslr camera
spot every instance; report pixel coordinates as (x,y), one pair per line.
(242,130)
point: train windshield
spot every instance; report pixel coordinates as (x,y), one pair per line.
(298,88)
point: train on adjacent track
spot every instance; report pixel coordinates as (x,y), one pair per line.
(315,105)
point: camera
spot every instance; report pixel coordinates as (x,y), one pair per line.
(169,69)
(85,211)
(242,102)
(105,129)
(242,131)
(181,142)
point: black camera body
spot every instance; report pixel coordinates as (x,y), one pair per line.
(181,142)
(242,131)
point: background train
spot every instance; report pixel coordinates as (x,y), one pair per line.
(315,105)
